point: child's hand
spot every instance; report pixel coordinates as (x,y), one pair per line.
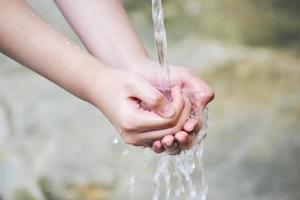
(200,95)
(119,95)
(101,36)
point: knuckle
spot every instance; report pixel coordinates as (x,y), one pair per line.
(127,139)
(157,100)
(131,140)
(127,124)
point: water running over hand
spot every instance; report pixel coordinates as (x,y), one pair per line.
(182,176)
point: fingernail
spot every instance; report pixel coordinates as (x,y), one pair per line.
(168,110)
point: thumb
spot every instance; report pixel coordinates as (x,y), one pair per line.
(152,98)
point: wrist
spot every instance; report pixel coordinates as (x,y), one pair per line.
(93,81)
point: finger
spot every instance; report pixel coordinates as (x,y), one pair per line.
(193,132)
(178,100)
(182,138)
(157,134)
(191,124)
(150,121)
(157,147)
(151,97)
(170,145)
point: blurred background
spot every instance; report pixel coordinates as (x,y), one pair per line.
(54,146)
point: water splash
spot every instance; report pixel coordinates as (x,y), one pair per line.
(131,185)
(179,177)
(115,140)
(125,152)
(182,176)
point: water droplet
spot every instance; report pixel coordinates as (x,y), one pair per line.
(68,42)
(132,184)
(119,130)
(116,140)
(125,153)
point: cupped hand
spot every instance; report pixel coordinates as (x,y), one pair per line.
(136,108)
(198,92)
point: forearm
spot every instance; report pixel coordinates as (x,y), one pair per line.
(105,29)
(31,41)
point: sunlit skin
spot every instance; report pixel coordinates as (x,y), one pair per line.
(28,39)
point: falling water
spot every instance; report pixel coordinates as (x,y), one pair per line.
(182,176)
(161,43)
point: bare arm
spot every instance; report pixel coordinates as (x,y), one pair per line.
(105,29)
(27,38)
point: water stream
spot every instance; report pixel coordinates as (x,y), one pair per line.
(161,43)
(182,176)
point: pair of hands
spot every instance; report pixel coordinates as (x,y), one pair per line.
(119,94)
(123,94)
(166,125)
